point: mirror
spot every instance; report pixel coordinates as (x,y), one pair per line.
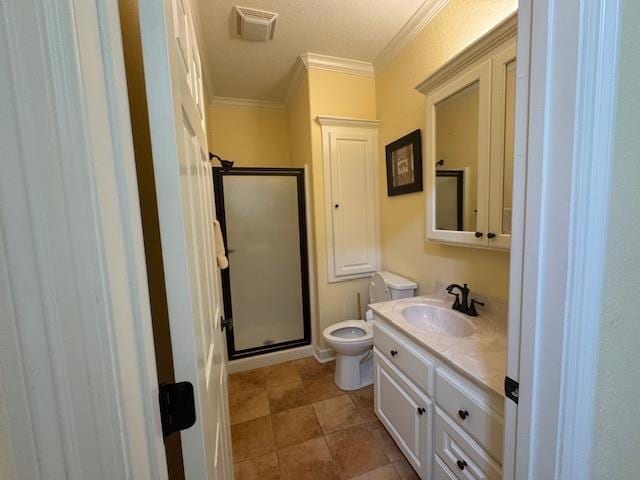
(509,127)
(456,182)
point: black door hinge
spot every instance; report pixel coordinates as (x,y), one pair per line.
(511,389)
(226,323)
(177,407)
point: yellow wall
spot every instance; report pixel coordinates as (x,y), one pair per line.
(250,136)
(401,110)
(617,429)
(332,93)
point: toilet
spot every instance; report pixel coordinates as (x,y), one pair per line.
(352,340)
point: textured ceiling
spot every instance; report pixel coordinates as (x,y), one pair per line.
(354,29)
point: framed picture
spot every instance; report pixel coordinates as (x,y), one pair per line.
(404,165)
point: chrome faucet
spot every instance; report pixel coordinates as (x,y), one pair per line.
(462,305)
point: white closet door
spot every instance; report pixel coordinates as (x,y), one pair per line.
(351,204)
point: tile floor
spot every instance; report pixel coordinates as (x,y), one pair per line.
(290,422)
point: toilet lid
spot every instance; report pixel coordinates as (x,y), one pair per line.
(349,331)
(378,289)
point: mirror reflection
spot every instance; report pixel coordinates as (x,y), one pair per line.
(457,164)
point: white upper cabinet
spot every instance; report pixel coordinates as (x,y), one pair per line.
(350,188)
(469,143)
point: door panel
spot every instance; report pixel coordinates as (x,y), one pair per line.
(186,213)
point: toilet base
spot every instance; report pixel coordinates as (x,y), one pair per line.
(354,371)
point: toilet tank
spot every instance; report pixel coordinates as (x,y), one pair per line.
(389,286)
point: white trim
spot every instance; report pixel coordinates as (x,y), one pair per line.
(330,120)
(593,157)
(268,359)
(484,45)
(324,355)
(569,128)
(297,75)
(337,64)
(77,349)
(414,26)
(247,103)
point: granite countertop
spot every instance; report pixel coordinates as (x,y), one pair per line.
(482,356)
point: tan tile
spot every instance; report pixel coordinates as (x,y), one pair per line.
(309,368)
(250,380)
(310,460)
(248,404)
(295,426)
(363,399)
(321,388)
(284,397)
(281,373)
(259,468)
(389,446)
(383,473)
(252,439)
(356,451)
(405,470)
(337,414)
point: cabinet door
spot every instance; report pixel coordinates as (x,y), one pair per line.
(350,201)
(503,93)
(457,158)
(406,414)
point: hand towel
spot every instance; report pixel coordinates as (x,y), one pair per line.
(220,252)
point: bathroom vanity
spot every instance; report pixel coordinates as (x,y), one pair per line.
(438,382)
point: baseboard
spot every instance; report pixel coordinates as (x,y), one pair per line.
(259,361)
(324,355)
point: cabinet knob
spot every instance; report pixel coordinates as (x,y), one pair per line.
(393,353)
(420,410)
(461,464)
(491,235)
(463,414)
(337,205)
(479,234)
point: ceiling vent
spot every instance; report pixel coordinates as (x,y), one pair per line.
(255,25)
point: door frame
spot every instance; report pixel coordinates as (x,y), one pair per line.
(76,346)
(565,104)
(299,174)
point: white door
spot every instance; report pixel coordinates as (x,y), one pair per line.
(184,190)
(405,412)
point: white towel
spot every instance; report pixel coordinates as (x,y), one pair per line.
(221,256)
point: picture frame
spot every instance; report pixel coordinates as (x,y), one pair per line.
(404,164)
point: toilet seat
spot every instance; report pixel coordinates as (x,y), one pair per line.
(367,327)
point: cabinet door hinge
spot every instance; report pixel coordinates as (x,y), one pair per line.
(511,389)
(177,407)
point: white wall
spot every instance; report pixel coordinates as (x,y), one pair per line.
(617,432)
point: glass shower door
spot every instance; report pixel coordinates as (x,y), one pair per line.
(265,288)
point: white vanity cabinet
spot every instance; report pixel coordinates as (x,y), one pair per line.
(447,426)
(468,143)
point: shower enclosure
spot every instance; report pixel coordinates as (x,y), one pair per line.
(266,287)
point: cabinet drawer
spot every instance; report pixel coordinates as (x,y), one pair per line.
(403,355)
(405,412)
(441,471)
(461,453)
(471,409)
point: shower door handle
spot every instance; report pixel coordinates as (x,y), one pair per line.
(226,323)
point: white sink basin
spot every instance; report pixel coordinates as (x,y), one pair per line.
(438,320)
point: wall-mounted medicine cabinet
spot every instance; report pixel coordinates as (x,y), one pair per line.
(469,143)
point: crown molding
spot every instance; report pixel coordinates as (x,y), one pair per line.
(411,30)
(247,103)
(331,120)
(337,64)
(504,31)
(295,80)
